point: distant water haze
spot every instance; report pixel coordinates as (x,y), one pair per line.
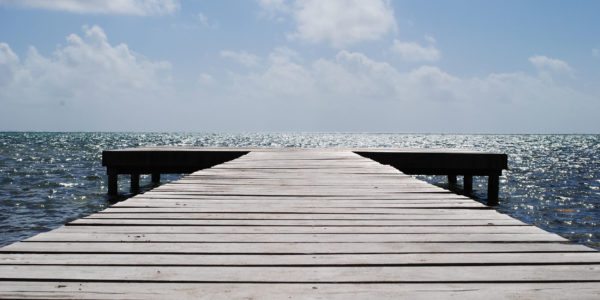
(48,179)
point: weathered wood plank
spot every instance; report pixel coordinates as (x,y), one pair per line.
(301,229)
(298,200)
(270,207)
(99,290)
(420,259)
(417,212)
(293,238)
(214,274)
(312,222)
(288,216)
(291,248)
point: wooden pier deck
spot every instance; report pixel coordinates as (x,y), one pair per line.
(299,224)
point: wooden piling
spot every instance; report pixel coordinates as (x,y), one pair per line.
(135,182)
(493,189)
(155,178)
(452,180)
(113,178)
(468,184)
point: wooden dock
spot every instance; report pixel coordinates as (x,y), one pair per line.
(291,224)
(449,162)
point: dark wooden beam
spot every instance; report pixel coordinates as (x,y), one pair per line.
(452,180)
(135,183)
(113,184)
(468,184)
(155,178)
(493,189)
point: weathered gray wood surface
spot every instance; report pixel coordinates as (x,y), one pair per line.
(300,224)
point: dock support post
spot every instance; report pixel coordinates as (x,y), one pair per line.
(113,185)
(452,180)
(493,189)
(468,184)
(155,178)
(135,182)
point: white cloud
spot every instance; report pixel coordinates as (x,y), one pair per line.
(126,7)
(284,54)
(9,61)
(273,9)
(353,77)
(338,23)
(352,91)
(242,57)
(7,56)
(413,52)
(274,5)
(281,77)
(547,64)
(342,22)
(88,69)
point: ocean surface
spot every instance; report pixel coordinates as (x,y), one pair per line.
(48,179)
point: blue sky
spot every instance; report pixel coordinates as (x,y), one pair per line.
(307,65)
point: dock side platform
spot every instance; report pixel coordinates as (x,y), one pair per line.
(306,224)
(449,162)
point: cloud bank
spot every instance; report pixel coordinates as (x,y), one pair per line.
(354,76)
(376,94)
(87,69)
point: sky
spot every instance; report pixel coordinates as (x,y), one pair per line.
(423,66)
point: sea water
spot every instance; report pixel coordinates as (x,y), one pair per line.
(48,179)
